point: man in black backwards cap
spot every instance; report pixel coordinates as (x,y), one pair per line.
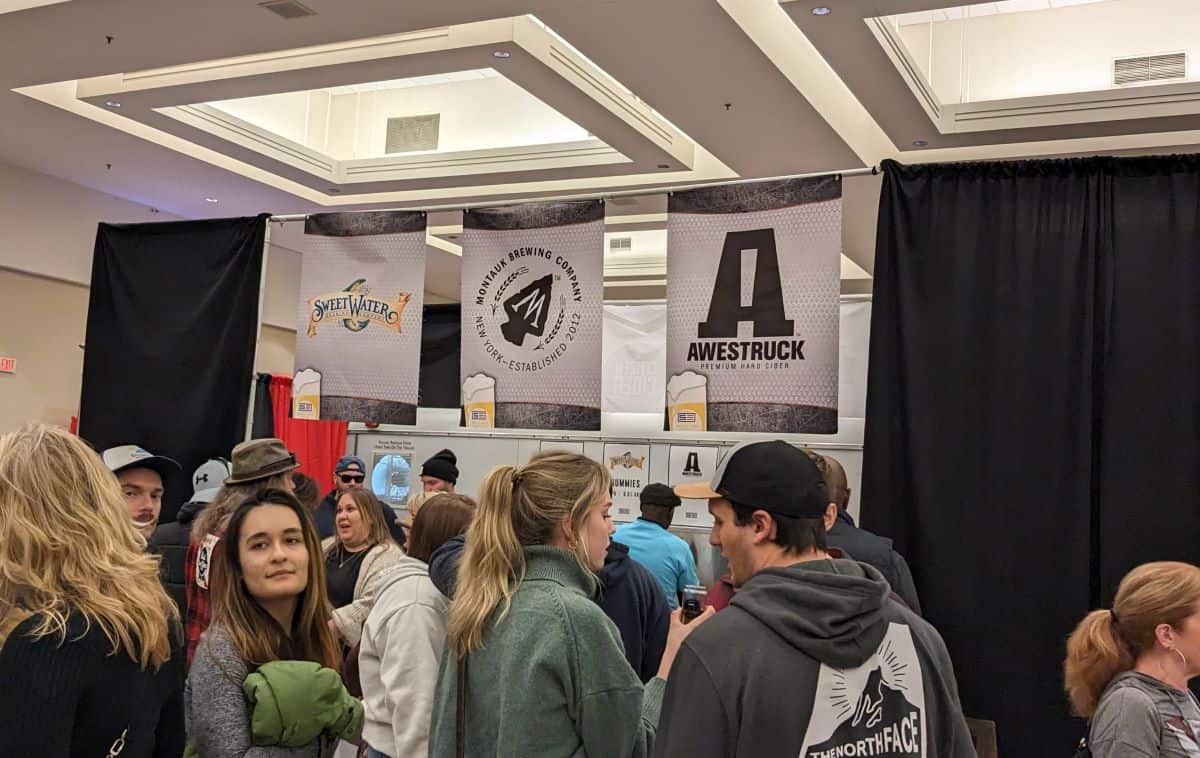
(813,657)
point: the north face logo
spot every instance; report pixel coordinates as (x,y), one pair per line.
(526,311)
(876,709)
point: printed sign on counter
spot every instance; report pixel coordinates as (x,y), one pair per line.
(629,466)
(391,469)
(689,464)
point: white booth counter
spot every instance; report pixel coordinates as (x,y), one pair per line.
(394,456)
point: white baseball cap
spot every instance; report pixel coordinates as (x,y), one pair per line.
(134,456)
(207,480)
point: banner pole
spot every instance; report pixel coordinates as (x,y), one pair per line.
(598,196)
(262,295)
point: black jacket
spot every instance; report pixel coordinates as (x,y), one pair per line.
(629,595)
(324,516)
(633,599)
(171,542)
(813,660)
(876,551)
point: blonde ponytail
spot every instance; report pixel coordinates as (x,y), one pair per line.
(1107,643)
(518,507)
(493,562)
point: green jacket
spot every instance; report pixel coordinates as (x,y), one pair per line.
(293,702)
(551,679)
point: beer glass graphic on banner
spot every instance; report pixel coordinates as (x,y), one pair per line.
(687,402)
(479,401)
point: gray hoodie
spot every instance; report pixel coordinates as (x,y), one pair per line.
(814,660)
(1139,715)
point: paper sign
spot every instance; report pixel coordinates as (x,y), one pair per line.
(629,466)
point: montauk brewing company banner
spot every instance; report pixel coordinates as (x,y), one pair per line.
(358,339)
(753,279)
(532,299)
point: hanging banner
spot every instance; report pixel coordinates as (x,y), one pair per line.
(635,359)
(752,307)
(358,337)
(629,466)
(532,297)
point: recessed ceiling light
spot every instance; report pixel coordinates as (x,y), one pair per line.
(112,103)
(822,10)
(501,54)
(334,191)
(919,143)
(211,200)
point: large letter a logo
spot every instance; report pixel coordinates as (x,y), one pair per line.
(725,309)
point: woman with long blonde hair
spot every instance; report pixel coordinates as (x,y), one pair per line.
(269,607)
(1127,669)
(540,670)
(91,658)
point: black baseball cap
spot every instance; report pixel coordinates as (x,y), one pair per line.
(772,476)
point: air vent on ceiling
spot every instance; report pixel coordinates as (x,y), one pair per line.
(620,244)
(408,133)
(288,9)
(1150,68)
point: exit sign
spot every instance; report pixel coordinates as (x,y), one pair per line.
(8,365)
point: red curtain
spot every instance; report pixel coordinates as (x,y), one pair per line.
(317,444)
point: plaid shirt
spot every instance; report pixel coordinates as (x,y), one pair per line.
(197,574)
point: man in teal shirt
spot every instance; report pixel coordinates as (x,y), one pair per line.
(668,557)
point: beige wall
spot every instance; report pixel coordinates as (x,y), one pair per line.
(45,263)
(41,325)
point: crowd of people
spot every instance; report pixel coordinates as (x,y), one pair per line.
(268,620)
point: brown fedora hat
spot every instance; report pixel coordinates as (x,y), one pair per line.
(260,459)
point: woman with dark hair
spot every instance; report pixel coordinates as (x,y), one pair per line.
(305,489)
(1127,669)
(359,550)
(405,634)
(269,639)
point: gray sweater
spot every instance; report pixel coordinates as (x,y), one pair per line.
(218,718)
(1142,717)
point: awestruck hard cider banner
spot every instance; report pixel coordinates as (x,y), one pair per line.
(532,299)
(753,280)
(358,341)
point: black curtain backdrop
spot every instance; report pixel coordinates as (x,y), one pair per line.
(441,356)
(172,320)
(1032,424)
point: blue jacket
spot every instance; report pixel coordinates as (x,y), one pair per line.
(668,557)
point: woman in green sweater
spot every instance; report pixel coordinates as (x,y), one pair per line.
(542,670)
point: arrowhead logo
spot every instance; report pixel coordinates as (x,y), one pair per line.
(527,310)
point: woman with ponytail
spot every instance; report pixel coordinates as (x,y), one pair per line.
(534,667)
(1127,669)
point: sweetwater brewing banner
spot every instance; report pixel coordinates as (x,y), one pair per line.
(532,299)
(753,280)
(358,339)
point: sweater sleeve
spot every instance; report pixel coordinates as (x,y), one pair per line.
(617,715)
(410,652)
(694,719)
(218,723)
(42,687)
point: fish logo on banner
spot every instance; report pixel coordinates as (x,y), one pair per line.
(356,309)
(876,709)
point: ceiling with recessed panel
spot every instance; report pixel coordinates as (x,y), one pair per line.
(232,107)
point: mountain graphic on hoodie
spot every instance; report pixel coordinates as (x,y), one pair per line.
(882,724)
